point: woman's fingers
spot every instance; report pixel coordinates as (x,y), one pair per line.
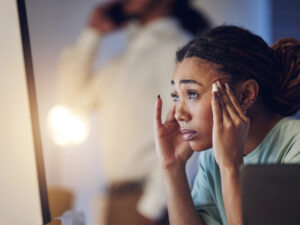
(158,107)
(223,105)
(158,110)
(232,112)
(235,103)
(216,109)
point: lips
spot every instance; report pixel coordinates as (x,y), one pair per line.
(188,134)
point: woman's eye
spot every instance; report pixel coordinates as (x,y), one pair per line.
(174,97)
(192,95)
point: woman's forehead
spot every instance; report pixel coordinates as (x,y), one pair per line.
(196,69)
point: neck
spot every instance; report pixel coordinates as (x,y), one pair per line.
(261,123)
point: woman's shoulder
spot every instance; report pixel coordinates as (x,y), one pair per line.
(290,131)
(285,134)
(291,125)
(291,120)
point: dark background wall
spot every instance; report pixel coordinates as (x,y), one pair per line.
(285,19)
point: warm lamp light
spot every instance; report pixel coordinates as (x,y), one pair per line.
(66,127)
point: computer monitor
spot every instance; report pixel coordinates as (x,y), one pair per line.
(23,191)
(271,194)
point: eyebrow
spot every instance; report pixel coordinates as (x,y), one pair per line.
(186,82)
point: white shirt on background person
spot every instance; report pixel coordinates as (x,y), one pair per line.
(124,92)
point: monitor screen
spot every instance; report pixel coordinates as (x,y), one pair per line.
(271,194)
(23,191)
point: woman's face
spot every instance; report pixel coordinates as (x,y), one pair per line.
(192,81)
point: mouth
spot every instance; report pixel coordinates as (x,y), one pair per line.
(188,134)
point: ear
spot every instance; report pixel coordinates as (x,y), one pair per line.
(247,93)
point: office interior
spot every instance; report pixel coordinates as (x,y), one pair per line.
(73,169)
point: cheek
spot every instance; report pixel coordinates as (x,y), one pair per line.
(204,120)
(204,116)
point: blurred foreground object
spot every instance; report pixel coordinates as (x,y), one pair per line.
(72,218)
(60,201)
(66,127)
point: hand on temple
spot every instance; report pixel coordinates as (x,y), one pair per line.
(171,148)
(230,129)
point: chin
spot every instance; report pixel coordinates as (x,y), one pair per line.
(199,146)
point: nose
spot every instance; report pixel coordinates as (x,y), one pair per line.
(182,113)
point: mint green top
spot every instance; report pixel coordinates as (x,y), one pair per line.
(281,145)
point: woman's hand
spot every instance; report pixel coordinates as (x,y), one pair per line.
(101,21)
(230,128)
(171,148)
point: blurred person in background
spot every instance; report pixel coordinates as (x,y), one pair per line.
(123,91)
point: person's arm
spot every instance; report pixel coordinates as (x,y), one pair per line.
(231,191)
(75,71)
(230,130)
(180,204)
(173,152)
(77,85)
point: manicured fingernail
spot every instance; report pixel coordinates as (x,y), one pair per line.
(227,86)
(158,96)
(215,87)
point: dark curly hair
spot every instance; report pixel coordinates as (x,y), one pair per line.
(243,55)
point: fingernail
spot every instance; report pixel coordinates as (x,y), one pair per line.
(227,86)
(215,87)
(158,96)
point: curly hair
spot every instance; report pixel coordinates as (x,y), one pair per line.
(243,55)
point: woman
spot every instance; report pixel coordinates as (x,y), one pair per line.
(243,118)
